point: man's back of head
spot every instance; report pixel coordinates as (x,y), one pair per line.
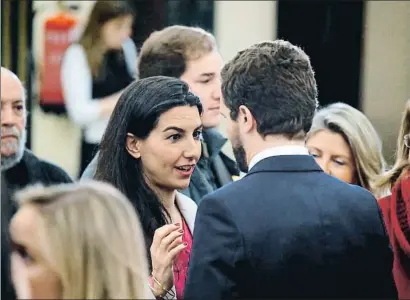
(275,80)
(270,96)
(13,119)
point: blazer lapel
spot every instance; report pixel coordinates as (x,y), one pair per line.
(188,210)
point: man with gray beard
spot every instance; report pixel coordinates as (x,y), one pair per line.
(19,166)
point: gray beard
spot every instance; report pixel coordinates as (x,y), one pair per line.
(8,162)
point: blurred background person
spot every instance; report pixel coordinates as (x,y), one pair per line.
(346,145)
(19,166)
(149,151)
(77,241)
(191,54)
(396,207)
(96,70)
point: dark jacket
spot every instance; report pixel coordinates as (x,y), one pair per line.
(289,230)
(28,171)
(213,170)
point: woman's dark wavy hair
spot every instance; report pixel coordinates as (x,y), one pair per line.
(137,112)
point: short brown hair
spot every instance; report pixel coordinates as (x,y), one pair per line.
(275,80)
(166,52)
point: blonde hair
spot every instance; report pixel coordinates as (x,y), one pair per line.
(361,137)
(94,240)
(91,39)
(402,163)
(167,51)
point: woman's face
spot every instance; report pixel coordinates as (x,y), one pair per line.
(172,149)
(32,276)
(116,31)
(333,155)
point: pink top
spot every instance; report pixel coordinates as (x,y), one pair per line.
(182,261)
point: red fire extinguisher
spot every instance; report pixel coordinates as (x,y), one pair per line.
(58,36)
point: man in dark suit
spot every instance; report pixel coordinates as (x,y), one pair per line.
(287,229)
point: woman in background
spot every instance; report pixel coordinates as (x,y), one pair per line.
(77,241)
(396,208)
(346,145)
(149,151)
(96,70)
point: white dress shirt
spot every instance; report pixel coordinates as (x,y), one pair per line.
(276,151)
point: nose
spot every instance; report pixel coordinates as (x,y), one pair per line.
(7,116)
(325,165)
(192,149)
(217,89)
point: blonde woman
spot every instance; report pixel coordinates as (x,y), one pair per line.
(346,145)
(77,241)
(96,70)
(396,208)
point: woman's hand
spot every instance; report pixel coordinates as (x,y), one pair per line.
(166,245)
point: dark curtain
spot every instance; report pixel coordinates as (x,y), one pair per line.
(152,15)
(16,54)
(331,33)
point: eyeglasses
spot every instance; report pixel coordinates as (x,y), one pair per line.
(407,140)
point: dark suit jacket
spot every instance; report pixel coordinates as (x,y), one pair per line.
(287,229)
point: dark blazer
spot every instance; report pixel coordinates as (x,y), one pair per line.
(287,229)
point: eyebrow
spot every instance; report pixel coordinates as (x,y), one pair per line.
(337,155)
(207,74)
(179,129)
(13,101)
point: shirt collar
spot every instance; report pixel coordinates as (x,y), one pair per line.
(275,151)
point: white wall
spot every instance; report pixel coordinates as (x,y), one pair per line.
(386,67)
(239,24)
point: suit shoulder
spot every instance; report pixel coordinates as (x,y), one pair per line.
(230,191)
(55,173)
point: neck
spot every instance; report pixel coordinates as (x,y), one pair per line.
(166,196)
(271,141)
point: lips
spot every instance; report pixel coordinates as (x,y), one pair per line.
(185,167)
(9,136)
(185,170)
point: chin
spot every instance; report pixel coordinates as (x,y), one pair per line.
(212,123)
(181,185)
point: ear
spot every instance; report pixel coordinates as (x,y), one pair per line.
(133,146)
(245,119)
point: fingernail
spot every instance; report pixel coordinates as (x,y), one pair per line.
(181,231)
(177,224)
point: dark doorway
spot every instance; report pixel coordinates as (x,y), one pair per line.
(16,52)
(154,15)
(331,34)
